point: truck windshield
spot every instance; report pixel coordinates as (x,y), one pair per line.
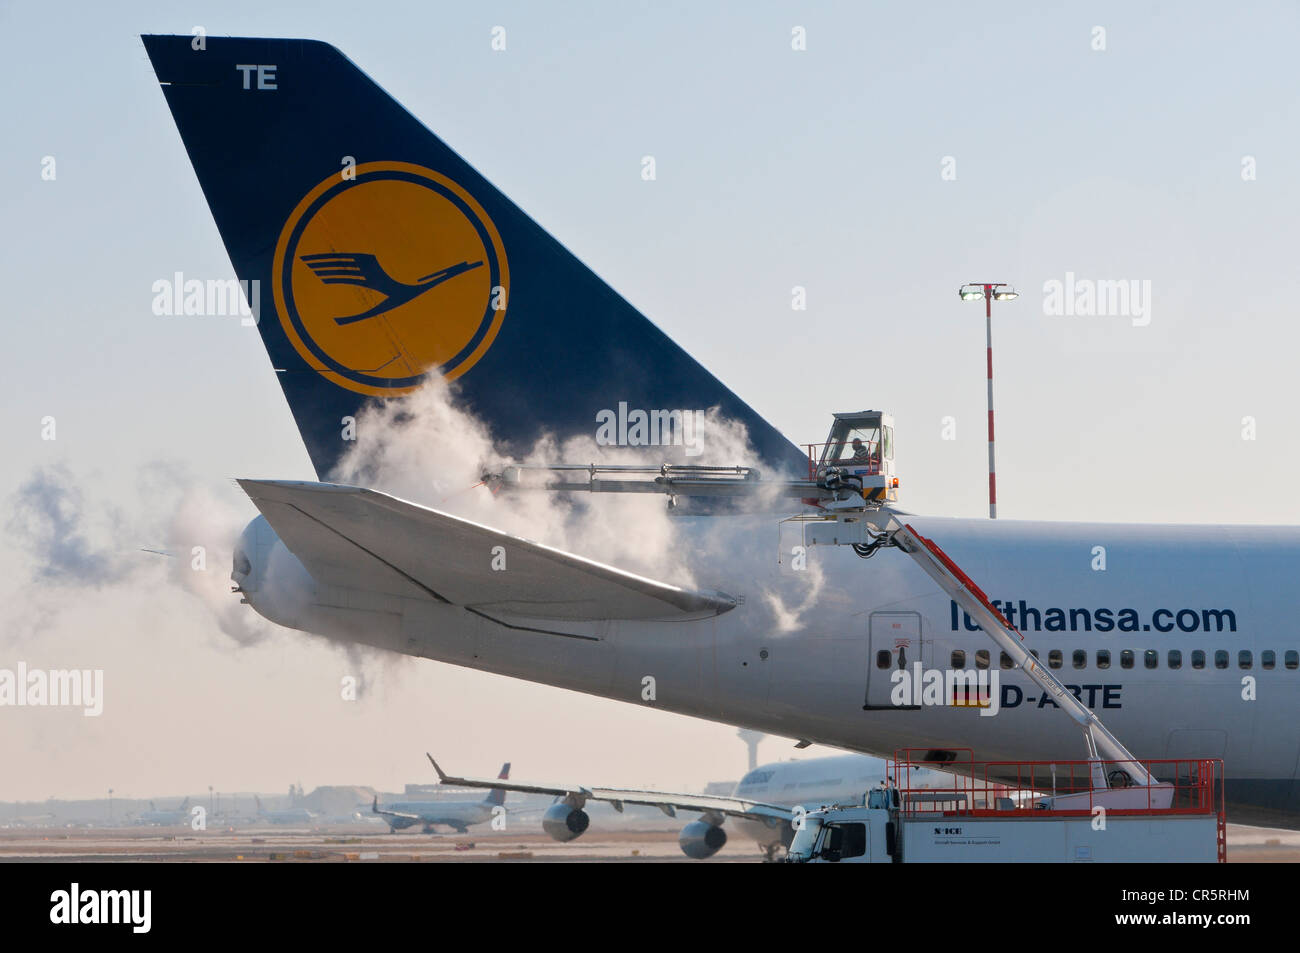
(805,839)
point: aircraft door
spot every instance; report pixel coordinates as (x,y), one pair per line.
(894,643)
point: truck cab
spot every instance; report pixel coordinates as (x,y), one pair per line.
(858,834)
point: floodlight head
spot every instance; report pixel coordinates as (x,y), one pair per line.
(971,292)
(1006,294)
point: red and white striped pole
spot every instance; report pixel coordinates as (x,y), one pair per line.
(988,291)
(988,336)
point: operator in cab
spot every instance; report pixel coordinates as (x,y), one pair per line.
(861,452)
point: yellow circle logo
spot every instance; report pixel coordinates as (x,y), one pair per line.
(390,275)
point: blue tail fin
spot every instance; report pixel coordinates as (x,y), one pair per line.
(497,796)
(381,257)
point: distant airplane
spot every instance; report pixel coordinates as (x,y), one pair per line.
(289,815)
(164,818)
(458,815)
(813,782)
(784,786)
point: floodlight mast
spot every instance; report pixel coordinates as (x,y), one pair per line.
(972,291)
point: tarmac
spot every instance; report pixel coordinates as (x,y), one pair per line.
(280,845)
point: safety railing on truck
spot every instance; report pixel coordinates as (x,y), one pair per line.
(1182,786)
(871,461)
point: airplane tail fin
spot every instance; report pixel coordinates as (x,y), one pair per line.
(497,796)
(374,256)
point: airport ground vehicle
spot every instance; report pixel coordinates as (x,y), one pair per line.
(1028,812)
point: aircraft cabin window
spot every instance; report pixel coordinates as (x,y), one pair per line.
(883,658)
(1198,659)
(1150,658)
(1054,659)
(1103,658)
(1126,658)
(1220,659)
(1006,662)
(958,658)
(1080,658)
(1267,659)
(1292,658)
(982,658)
(1175,658)
(1244,659)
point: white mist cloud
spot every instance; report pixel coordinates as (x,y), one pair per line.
(428,450)
(80,547)
(205,527)
(70,540)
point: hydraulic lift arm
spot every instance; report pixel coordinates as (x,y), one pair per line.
(838,499)
(962,589)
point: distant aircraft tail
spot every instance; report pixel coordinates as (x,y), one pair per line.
(378,256)
(497,796)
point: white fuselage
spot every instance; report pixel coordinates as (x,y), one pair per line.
(800,656)
(813,783)
(454,814)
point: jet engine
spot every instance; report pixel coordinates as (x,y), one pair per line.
(564,822)
(701,839)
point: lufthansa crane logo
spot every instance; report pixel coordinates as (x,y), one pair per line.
(389,276)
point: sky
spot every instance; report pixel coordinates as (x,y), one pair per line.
(905,150)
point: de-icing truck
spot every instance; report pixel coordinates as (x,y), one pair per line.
(1027,812)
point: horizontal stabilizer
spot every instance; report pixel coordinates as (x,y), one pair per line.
(362,539)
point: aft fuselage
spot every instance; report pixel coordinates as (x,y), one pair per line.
(1181,638)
